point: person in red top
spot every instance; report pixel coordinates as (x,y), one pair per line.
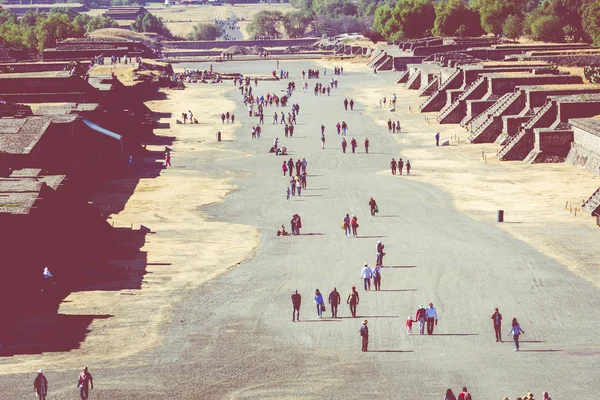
(464,395)
(85,378)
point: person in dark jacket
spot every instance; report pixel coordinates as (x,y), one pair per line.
(334,301)
(497,321)
(364,332)
(373,205)
(420,316)
(40,386)
(296,302)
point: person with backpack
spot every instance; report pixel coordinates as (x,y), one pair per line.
(346,225)
(373,205)
(364,333)
(354,226)
(377,277)
(464,395)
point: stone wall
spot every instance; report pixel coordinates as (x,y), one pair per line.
(225,44)
(552,142)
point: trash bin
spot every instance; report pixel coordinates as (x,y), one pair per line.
(500,215)
(219,136)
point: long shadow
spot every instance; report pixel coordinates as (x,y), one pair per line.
(402,266)
(321,320)
(526,341)
(391,351)
(312,234)
(312,195)
(163,125)
(397,290)
(388,216)
(539,351)
(370,237)
(48,333)
(454,334)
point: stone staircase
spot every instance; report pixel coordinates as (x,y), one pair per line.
(437,100)
(592,205)
(486,127)
(452,113)
(376,58)
(404,77)
(414,81)
(519,146)
(429,88)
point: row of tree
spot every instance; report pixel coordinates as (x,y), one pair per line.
(548,20)
(36,31)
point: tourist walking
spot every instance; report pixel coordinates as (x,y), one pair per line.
(389,124)
(354,226)
(449,395)
(320,303)
(400,166)
(420,316)
(373,205)
(167,159)
(464,395)
(377,277)
(379,251)
(367,145)
(299,187)
(353,144)
(284,168)
(409,323)
(334,301)
(432,316)
(364,333)
(344,145)
(296,302)
(322,140)
(40,385)
(516,331)
(408,167)
(346,225)
(366,276)
(393,166)
(85,379)
(497,321)
(351,104)
(437,139)
(290,166)
(346,104)
(353,300)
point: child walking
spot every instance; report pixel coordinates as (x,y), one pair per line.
(409,323)
(287,193)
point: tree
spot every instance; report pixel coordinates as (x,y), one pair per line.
(570,14)
(409,19)
(150,23)
(295,23)
(31,18)
(589,20)
(455,18)
(513,27)
(7,16)
(100,22)
(70,12)
(494,12)
(55,27)
(82,20)
(266,23)
(205,31)
(547,28)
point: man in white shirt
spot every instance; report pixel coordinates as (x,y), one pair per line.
(431,315)
(366,276)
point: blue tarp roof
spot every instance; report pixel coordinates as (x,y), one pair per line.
(100,129)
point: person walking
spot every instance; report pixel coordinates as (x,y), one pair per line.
(344,145)
(322,140)
(320,303)
(346,104)
(373,205)
(85,379)
(364,333)
(389,123)
(353,144)
(298,187)
(464,395)
(354,226)
(420,316)
(296,302)
(409,323)
(40,385)
(167,159)
(400,166)
(437,139)
(367,145)
(284,168)
(393,166)
(366,276)
(432,316)
(377,277)
(303,165)
(353,300)
(408,167)
(497,321)
(449,395)
(346,225)
(379,252)
(334,302)
(351,104)
(338,127)
(516,332)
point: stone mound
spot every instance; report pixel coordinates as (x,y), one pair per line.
(244,50)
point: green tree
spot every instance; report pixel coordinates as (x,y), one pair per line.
(569,13)
(100,22)
(494,12)
(547,28)
(266,23)
(68,11)
(590,21)
(513,27)
(82,20)
(150,23)
(295,23)
(31,18)
(409,19)
(7,16)
(205,31)
(455,18)
(55,27)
